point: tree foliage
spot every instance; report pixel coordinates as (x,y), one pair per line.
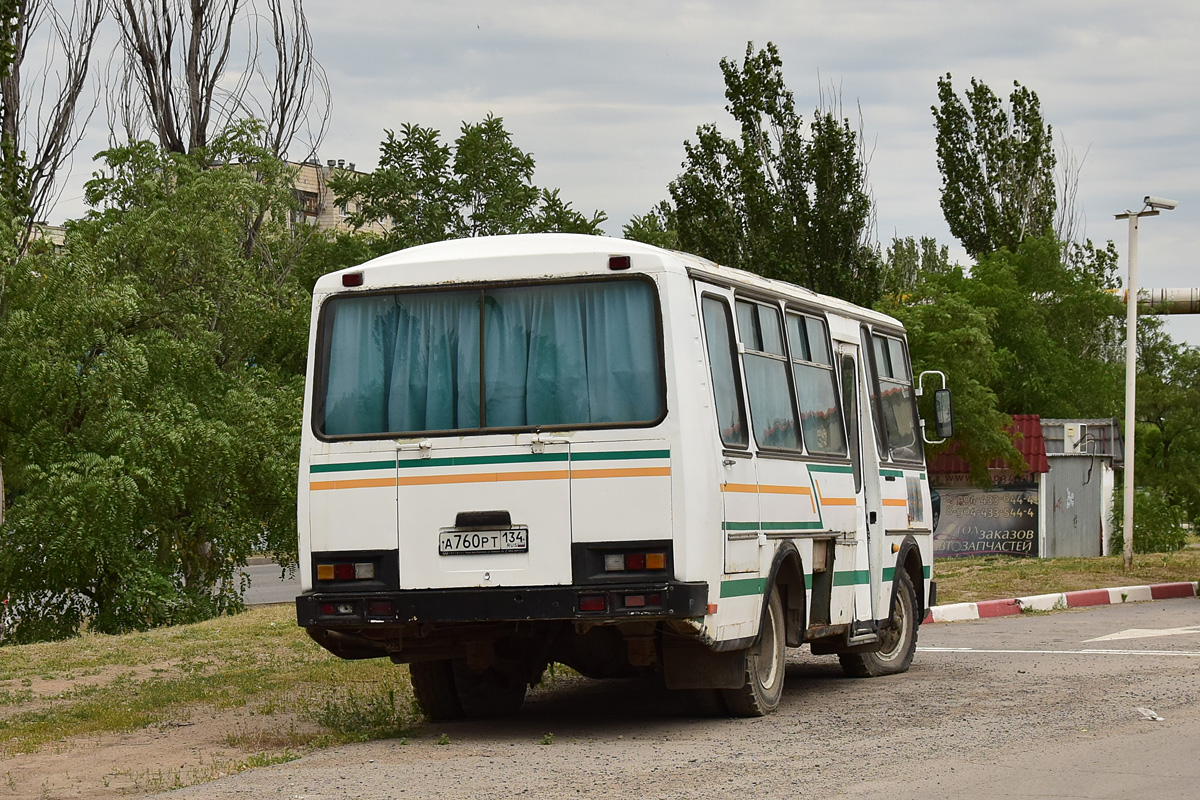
(1168,411)
(1023,333)
(778,200)
(427,191)
(997,166)
(153,376)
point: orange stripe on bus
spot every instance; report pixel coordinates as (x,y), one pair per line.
(837,501)
(630,472)
(752,488)
(358,483)
(490,477)
(895,501)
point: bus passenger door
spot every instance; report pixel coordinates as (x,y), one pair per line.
(870,497)
(736,471)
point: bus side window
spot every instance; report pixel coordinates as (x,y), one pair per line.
(897,399)
(869,367)
(727,389)
(771,406)
(816,385)
(850,403)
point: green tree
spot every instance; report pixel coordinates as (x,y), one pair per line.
(948,332)
(778,200)
(997,166)
(908,262)
(656,227)
(1056,332)
(1168,410)
(152,394)
(427,191)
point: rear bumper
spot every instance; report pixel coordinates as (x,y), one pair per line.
(665,600)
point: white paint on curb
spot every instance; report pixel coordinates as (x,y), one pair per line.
(1043,602)
(962,612)
(1130,594)
(955,612)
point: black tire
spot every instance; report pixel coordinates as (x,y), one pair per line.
(488,692)
(434,689)
(764,666)
(899,639)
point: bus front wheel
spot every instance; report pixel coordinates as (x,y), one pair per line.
(764,666)
(898,642)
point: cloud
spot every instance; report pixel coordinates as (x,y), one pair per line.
(604,94)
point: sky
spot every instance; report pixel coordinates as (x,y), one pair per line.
(603,94)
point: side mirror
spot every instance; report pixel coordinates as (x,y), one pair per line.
(943,413)
(943,408)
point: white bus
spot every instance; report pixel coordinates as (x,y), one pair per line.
(545,448)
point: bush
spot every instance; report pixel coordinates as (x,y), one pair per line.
(1157,524)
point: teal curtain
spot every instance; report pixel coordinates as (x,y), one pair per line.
(571,354)
(568,354)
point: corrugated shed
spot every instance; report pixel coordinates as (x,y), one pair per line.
(1026,432)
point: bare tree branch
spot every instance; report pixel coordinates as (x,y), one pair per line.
(40,121)
(177,57)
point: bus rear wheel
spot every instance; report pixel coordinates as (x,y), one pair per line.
(898,641)
(433,687)
(762,690)
(489,692)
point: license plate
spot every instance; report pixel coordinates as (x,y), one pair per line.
(509,540)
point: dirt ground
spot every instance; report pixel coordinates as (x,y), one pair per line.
(1001,701)
(144,761)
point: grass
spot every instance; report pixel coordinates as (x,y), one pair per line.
(259,661)
(963,580)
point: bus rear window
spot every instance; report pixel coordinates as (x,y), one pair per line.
(563,355)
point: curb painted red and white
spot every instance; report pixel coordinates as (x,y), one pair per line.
(957,612)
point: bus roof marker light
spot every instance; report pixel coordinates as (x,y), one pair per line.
(352,279)
(618,262)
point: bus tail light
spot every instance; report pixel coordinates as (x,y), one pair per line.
(346,571)
(593,602)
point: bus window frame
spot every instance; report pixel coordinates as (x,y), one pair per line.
(736,363)
(886,451)
(324,339)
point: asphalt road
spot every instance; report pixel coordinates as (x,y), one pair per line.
(1041,705)
(268,584)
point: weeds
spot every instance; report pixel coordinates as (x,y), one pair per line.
(371,714)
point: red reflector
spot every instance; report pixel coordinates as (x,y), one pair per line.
(327,609)
(352,279)
(635,561)
(592,602)
(654,599)
(379,608)
(618,262)
(635,600)
(343,572)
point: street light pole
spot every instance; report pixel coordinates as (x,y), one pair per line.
(1150,208)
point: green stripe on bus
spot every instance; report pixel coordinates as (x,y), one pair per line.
(830,468)
(851,577)
(465,461)
(811,525)
(889,573)
(353,466)
(743,587)
(892,473)
(624,455)
(747,586)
